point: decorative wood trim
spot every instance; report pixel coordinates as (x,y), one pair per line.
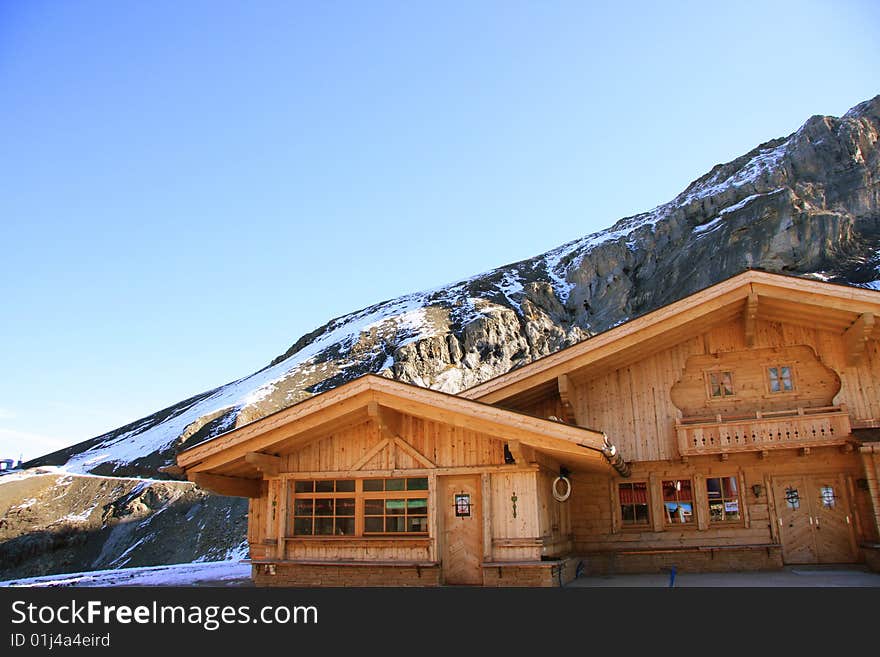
(744,497)
(414,453)
(371,453)
(282,517)
(751,318)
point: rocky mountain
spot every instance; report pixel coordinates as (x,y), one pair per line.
(807,204)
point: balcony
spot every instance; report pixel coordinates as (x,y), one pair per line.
(789,429)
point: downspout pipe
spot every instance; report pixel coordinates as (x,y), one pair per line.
(615,459)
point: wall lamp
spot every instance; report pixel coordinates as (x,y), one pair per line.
(757,489)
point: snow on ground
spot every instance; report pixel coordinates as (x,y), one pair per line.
(219,573)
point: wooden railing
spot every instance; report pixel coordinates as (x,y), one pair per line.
(799,427)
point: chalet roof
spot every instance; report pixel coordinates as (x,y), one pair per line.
(747,297)
(377,398)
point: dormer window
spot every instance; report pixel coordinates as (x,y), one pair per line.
(780,379)
(720,384)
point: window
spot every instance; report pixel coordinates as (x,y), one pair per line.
(723,493)
(779,378)
(634,503)
(396,506)
(720,384)
(360,507)
(324,508)
(678,502)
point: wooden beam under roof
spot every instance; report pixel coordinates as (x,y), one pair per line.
(231,486)
(268,464)
(564,387)
(856,338)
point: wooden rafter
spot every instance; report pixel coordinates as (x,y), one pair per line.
(856,338)
(413,452)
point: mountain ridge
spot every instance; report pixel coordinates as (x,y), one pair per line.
(805,204)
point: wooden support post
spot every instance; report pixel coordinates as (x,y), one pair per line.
(282,518)
(486,485)
(268,464)
(232,486)
(751,318)
(856,337)
(564,386)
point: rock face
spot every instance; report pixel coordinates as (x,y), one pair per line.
(807,204)
(55,522)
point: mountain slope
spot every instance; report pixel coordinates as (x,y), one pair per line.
(807,204)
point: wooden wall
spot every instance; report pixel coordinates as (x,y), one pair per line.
(634,405)
(595,512)
(443,445)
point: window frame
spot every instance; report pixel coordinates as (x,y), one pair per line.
(672,524)
(707,379)
(740,499)
(779,366)
(625,526)
(360,496)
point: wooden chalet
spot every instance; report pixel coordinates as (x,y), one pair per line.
(735,429)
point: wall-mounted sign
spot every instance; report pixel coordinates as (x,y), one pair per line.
(462,505)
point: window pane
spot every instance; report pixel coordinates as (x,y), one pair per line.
(302,526)
(345,486)
(374,484)
(395,484)
(324,526)
(304,486)
(395,524)
(324,507)
(416,507)
(774,374)
(641,514)
(716,511)
(419,524)
(345,526)
(324,486)
(374,507)
(729,486)
(303,507)
(774,385)
(828,497)
(345,507)
(374,525)
(395,507)
(420,483)
(686,494)
(731,510)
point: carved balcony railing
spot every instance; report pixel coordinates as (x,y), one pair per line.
(799,427)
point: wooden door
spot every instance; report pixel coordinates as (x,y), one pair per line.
(832,528)
(814,519)
(795,520)
(462,529)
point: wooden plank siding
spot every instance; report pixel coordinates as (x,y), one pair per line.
(594,512)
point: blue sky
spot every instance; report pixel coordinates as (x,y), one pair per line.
(188,187)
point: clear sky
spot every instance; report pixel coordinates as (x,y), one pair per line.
(188,187)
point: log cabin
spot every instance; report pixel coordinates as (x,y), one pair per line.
(735,429)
